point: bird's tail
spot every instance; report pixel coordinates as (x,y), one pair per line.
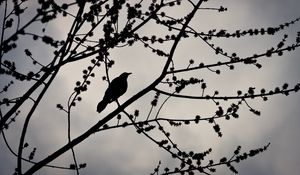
(101,106)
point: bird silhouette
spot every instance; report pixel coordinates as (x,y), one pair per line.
(116,88)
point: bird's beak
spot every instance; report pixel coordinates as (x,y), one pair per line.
(129,73)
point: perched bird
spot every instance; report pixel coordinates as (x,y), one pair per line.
(116,88)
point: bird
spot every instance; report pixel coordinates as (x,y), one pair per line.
(116,88)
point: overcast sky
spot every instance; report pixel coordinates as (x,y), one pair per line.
(123,151)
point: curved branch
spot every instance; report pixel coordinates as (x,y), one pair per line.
(26,123)
(288,48)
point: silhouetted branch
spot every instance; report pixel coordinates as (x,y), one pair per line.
(245,96)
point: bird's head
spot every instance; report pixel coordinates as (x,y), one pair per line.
(125,74)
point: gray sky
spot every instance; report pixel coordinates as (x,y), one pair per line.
(123,151)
